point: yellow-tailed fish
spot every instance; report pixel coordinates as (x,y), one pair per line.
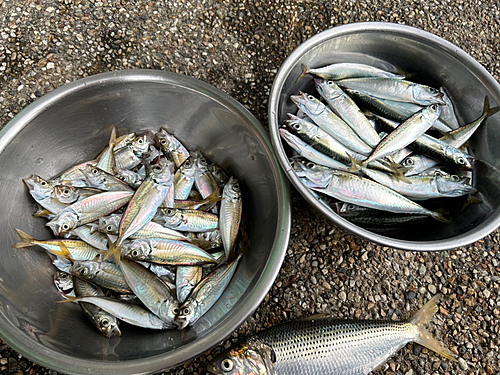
(230,214)
(186,279)
(68,194)
(64,248)
(99,179)
(187,220)
(104,274)
(128,312)
(163,251)
(324,345)
(88,210)
(151,290)
(206,293)
(143,205)
(339,71)
(184,179)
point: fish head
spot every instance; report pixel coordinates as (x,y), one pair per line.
(151,155)
(95,176)
(188,314)
(307,103)
(454,185)
(188,167)
(106,323)
(328,89)
(162,172)
(232,190)
(427,95)
(109,224)
(169,311)
(85,270)
(295,125)
(218,173)
(38,187)
(248,358)
(165,141)
(63,282)
(66,194)
(316,173)
(137,249)
(63,222)
(140,145)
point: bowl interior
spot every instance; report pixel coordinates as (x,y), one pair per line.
(431,61)
(71,125)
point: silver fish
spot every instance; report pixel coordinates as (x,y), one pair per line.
(339,71)
(347,109)
(186,279)
(330,122)
(184,179)
(394,89)
(99,179)
(205,294)
(151,290)
(230,214)
(320,346)
(68,194)
(187,220)
(204,181)
(171,147)
(105,274)
(43,193)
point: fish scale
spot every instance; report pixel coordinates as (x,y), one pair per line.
(331,346)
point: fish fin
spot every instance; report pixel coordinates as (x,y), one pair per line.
(112,138)
(438,215)
(315,317)
(305,70)
(487,110)
(42,213)
(421,318)
(113,251)
(470,200)
(25,240)
(69,299)
(355,166)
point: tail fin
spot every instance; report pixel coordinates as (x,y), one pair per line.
(305,70)
(25,240)
(355,166)
(114,251)
(487,110)
(438,215)
(425,338)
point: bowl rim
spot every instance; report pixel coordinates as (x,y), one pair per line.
(482,230)
(61,362)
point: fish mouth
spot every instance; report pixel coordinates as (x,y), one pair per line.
(29,182)
(298,99)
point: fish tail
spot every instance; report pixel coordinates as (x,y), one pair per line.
(439,216)
(305,70)
(487,111)
(112,138)
(470,200)
(355,166)
(69,299)
(114,251)
(425,338)
(25,240)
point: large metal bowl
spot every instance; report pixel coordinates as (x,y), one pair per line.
(71,124)
(435,62)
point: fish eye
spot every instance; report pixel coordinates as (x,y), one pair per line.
(461,161)
(109,228)
(310,97)
(434,107)
(296,126)
(63,276)
(105,322)
(83,271)
(170,212)
(186,311)
(163,141)
(236,187)
(43,183)
(95,171)
(351,207)
(140,141)
(66,191)
(134,253)
(455,178)
(330,83)
(409,161)
(226,364)
(175,310)
(65,227)
(310,165)
(157,168)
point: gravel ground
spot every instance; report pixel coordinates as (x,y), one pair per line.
(238,47)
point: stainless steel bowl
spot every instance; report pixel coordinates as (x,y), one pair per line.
(435,62)
(72,124)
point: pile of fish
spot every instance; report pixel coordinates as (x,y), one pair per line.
(144,235)
(380,145)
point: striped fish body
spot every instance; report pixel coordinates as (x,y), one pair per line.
(328,346)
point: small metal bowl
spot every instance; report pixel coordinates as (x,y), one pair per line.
(434,62)
(72,124)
